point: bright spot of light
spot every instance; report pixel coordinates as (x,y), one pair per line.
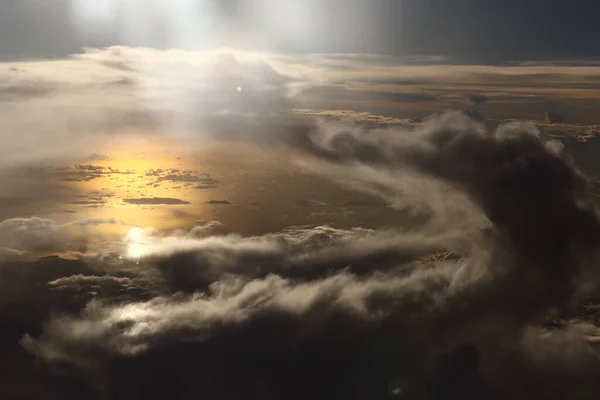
(134,233)
(239,89)
(136,246)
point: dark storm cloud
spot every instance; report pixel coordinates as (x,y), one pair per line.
(528,192)
(301,253)
(353,311)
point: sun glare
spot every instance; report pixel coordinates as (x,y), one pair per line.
(134,234)
(135,243)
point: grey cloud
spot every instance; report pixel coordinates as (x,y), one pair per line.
(156,200)
(478,99)
(154,94)
(113,289)
(553,117)
(10,253)
(205,187)
(176,175)
(94,222)
(404,307)
(30,234)
(87,202)
(300,253)
(27,90)
(96,157)
(207,228)
(347,311)
(219,202)
(351,92)
(22,235)
(76,173)
(528,192)
(360,116)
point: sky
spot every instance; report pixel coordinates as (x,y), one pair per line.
(466,30)
(299,199)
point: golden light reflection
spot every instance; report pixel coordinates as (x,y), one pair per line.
(165,187)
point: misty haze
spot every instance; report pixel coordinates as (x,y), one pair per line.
(299,199)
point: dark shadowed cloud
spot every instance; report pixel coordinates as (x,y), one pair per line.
(155,200)
(478,99)
(358,311)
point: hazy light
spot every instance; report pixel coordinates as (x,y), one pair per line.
(196,24)
(174,23)
(136,247)
(134,234)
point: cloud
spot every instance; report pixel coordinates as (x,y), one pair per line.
(341,303)
(193,96)
(189,263)
(219,202)
(553,117)
(176,175)
(205,187)
(528,192)
(357,116)
(156,200)
(76,173)
(30,234)
(478,99)
(96,157)
(313,310)
(207,228)
(94,222)
(87,202)
(24,235)
(88,107)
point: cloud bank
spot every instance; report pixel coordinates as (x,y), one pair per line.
(481,310)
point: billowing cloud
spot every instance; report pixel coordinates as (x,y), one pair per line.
(311,311)
(409,311)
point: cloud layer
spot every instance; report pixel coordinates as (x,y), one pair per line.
(364,313)
(477,300)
